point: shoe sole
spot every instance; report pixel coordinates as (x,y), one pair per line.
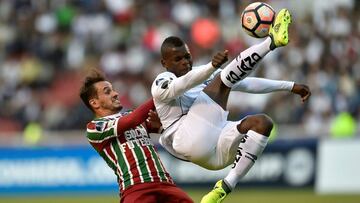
(282,27)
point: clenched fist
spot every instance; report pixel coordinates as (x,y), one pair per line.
(219,59)
(153,119)
(302,90)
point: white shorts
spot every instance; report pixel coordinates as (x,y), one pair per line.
(205,137)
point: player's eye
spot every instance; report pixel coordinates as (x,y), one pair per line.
(107,91)
(177,59)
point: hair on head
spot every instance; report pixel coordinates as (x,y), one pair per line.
(87,90)
(170,42)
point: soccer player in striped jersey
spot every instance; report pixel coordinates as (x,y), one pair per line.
(192,106)
(122,140)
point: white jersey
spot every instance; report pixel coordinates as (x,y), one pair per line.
(173,96)
(170,110)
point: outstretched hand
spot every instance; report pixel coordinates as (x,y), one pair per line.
(219,59)
(153,120)
(302,90)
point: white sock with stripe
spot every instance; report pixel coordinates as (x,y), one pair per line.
(245,63)
(250,148)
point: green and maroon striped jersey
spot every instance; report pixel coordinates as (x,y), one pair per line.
(130,154)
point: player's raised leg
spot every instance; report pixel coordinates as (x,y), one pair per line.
(247,61)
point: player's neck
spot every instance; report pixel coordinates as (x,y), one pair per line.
(105,112)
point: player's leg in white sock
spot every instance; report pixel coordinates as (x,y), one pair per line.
(256,130)
(250,148)
(245,63)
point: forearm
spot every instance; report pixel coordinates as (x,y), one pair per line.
(180,85)
(262,85)
(138,116)
(192,79)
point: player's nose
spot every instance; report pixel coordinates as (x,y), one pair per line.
(186,62)
(115,94)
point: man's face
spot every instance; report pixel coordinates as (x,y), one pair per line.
(107,98)
(177,60)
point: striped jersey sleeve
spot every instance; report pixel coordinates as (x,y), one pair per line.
(101,131)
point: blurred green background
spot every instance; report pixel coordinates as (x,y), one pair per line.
(248,196)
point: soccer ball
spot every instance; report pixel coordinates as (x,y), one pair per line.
(257,18)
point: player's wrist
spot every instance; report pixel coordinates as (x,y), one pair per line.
(291,86)
(211,65)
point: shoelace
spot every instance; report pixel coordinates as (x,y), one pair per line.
(220,193)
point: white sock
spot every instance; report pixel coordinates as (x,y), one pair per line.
(250,148)
(245,63)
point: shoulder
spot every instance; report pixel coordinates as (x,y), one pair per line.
(163,80)
(101,124)
(96,125)
(165,75)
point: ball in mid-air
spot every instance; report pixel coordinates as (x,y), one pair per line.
(257,18)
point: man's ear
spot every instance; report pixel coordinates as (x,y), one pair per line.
(163,63)
(94,103)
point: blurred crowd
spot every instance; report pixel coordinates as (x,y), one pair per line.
(47,47)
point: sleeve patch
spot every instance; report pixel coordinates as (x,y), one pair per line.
(99,126)
(158,81)
(164,83)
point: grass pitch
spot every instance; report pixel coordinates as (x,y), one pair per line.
(242,196)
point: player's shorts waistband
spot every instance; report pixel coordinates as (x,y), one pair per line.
(142,186)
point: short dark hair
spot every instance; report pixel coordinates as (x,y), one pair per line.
(87,90)
(169,42)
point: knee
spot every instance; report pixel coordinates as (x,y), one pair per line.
(259,123)
(265,124)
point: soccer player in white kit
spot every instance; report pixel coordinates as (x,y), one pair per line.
(191,104)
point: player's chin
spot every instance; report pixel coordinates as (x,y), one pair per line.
(117,106)
(183,72)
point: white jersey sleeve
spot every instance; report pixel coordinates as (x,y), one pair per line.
(262,85)
(167,86)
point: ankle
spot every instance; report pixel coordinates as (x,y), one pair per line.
(272,45)
(226,186)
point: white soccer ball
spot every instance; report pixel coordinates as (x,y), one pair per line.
(257,18)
